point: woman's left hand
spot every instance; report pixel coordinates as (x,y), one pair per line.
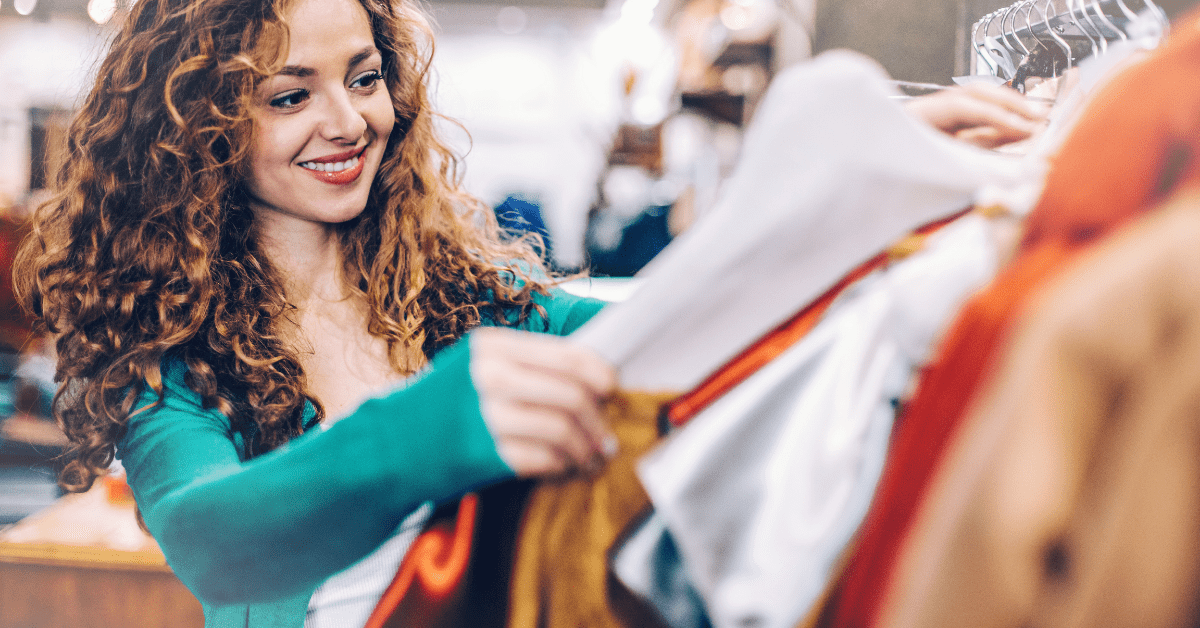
(541,397)
(984,115)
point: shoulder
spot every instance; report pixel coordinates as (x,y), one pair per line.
(558,313)
(564,312)
(178,412)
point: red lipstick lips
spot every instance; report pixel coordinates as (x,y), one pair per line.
(339,177)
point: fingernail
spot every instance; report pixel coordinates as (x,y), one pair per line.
(611,446)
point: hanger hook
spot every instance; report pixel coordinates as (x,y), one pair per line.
(1126,11)
(1079,24)
(1006,31)
(1107,22)
(1062,43)
(1028,6)
(980,43)
(1003,64)
(1103,41)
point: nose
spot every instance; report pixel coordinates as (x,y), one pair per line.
(342,120)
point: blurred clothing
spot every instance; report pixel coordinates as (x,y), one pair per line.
(1071,496)
(620,249)
(518,216)
(1135,144)
(762,490)
(16,327)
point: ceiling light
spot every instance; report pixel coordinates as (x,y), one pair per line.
(24,7)
(101,11)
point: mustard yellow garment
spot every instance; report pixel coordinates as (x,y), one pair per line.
(560,575)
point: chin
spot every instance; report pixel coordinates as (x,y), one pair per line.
(344,214)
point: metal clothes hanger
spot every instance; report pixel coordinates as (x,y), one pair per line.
(1099,33)
(1013,10)
(1107,22)
(1078,23)
(1126,11)
(1028,6)
(1062,43)
(980,43)
(997,47)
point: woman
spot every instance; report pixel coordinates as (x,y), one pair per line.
(257,229)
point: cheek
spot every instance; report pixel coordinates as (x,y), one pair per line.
(381,117)
(273,147)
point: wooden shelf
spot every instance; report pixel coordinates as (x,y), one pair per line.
(84,562)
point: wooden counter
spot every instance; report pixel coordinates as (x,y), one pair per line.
(84,563)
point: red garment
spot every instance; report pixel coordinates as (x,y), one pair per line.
(775,342)
(16,326)
(1137,142)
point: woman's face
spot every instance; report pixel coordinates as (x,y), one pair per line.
(322,122)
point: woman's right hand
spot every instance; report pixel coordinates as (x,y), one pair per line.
(984,115)
(541,398)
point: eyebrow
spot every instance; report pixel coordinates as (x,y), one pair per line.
(302,72)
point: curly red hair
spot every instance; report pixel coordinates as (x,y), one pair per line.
(147,250)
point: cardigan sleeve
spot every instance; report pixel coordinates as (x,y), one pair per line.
(245,531)
(279,524)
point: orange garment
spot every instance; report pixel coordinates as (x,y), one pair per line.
(1136,143)
(1071,496)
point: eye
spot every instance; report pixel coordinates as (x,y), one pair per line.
(289,99)
(366,80)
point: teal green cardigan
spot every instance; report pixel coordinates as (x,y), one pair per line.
(253,538)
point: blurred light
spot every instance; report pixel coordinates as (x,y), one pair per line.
(638,11)
(101,11)
(24,7)
(511,20)
(648,110)
(735,17)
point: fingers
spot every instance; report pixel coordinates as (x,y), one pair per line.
(550,354)
(988,137)
(986,115)
(550,442)
(1009,99)
(541,398)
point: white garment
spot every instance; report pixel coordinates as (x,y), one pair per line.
(347,598)
(762,490)
(833,170)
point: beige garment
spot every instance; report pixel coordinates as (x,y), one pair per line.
(1071,497)
(560,575)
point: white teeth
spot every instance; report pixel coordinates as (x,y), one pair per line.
(333,167)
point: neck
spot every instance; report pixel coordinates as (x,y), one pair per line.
(307,256)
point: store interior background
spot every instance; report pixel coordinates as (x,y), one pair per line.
(613,121)
(610,122)
(540,86)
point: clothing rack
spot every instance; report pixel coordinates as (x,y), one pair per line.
(1046,37)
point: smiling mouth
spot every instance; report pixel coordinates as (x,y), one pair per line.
(342,172)
(332,167)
